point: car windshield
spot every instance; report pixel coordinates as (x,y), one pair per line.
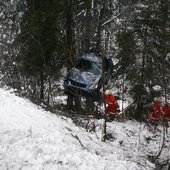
(89,66)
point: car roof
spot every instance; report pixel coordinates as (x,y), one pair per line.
(91,57)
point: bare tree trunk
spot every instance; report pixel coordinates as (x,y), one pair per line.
(139,107)
(123,91)
(104,121)
(49,90)
(99,28)
(70,50)
(87,33)
(41,86)
(69,32)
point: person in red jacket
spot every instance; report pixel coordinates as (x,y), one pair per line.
(156,111)
(166,111)
(112,107)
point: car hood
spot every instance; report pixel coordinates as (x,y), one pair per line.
(83,77)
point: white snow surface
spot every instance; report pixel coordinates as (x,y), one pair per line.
(34,139)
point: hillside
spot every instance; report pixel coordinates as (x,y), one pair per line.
(34,139)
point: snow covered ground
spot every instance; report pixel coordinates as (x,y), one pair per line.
(34,139)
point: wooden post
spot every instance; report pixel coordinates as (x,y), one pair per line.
(103,137)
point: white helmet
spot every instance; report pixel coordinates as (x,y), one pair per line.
(156,99)
(108,92)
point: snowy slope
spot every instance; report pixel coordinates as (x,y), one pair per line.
(34,139)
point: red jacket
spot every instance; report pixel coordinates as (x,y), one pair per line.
(156,112)
(111,100)
(112,105)
(157,107)
(154,117)
(166,112)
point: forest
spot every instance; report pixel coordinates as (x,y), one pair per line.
(40,40)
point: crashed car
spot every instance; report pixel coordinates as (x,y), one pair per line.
(85,78)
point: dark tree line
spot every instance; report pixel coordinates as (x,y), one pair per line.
(40,38)
(144,51)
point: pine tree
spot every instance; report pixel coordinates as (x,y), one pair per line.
(41,40)
(150,28)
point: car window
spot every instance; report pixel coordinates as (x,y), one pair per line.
(89,66)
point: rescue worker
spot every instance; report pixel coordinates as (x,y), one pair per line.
(156,111)
(166,111)
(112,107)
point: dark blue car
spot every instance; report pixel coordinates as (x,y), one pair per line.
(85,78)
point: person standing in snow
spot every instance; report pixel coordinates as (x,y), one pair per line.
(156,111)
(112,107)
(166,111)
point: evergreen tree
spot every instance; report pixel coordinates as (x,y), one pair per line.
(42,40)
(150,27)
(9,18)
(93,19)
